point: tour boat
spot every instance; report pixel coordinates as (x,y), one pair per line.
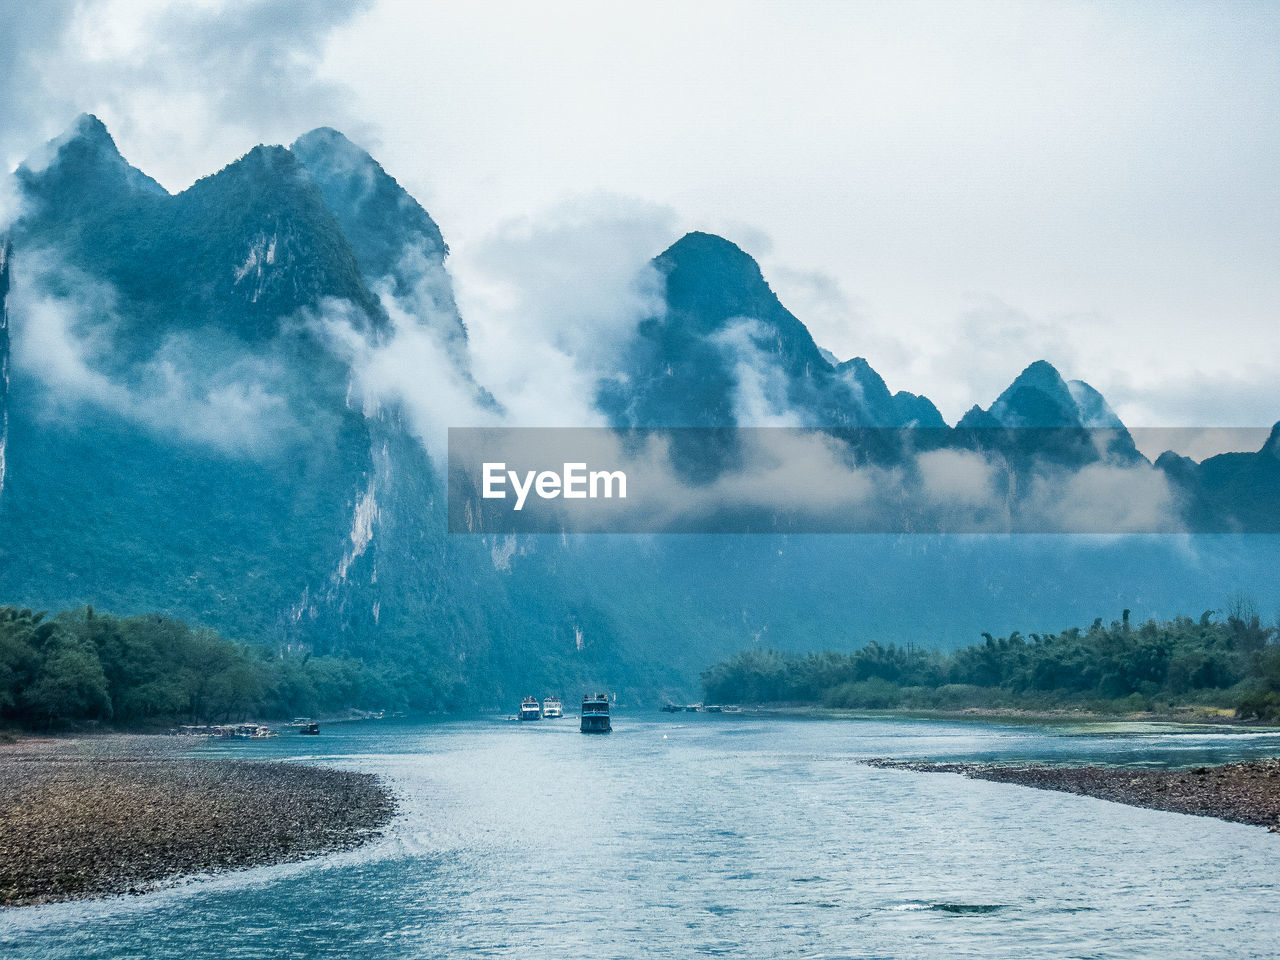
(595,713)
(529,709)
(552,709)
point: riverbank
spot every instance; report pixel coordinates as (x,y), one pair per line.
(96,816)
(1240,792)
(1189,717)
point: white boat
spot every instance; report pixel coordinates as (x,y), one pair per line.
(529,709)
(552,708)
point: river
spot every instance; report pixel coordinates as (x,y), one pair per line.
(691,835)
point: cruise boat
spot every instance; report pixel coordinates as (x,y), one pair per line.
(552,709)
(529,709)
(595,713)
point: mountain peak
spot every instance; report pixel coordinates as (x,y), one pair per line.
(716,261)
(859,368)
(378,215)
(700,243)
(328,136)
(1038,397)
(86,131)
(269,175)
(80,161)
(1272,446)
(88,127)
(976,417)
(1042,375)
(334,147)
(1094,410)
(712,281)
(266,159)
(879,406)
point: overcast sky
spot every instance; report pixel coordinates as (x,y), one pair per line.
(951,190)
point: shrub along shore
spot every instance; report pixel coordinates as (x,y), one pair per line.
(1153,667)
(125,814)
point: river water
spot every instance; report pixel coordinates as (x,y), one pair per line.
(694,836)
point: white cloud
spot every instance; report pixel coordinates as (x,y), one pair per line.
(899,162)
(412,368)
(64,330)
(552,300)
(10,202)
(1064,159)
(1103,498)
(183,87)
(760,397)
(957,477)
(549,302)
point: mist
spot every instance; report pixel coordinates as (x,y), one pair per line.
(64,328)
(553,300)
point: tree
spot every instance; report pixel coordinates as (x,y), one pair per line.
(1241,606)
(22,635)
(70,685)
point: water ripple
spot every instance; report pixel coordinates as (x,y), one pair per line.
(718,838)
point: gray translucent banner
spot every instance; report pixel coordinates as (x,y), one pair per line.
(863,480)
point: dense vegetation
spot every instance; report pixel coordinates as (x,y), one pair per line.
(149,671)
(1233,662)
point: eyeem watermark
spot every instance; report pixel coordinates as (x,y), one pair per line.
(573,482)
(982,480)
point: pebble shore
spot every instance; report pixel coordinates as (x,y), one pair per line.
(1239,792)
(111,815)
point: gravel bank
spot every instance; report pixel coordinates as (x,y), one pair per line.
(100,816)
(1240,792)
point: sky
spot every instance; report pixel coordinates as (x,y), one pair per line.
(951,190)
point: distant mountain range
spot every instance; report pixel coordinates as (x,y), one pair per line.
(683,368)
(188,441)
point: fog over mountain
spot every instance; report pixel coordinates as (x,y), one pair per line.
(230,403)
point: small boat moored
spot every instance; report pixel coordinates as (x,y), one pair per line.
(530,710)
(552,708)
(595,713)
(243,731)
